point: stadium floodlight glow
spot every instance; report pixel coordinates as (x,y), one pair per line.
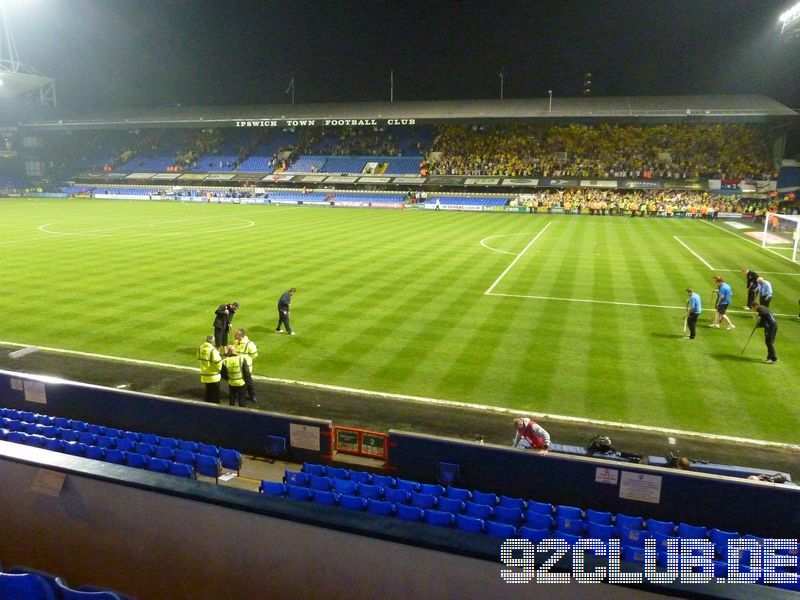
(790,23)
(791,14)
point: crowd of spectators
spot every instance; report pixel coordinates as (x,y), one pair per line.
(642,203)
(720,151)
(347,141)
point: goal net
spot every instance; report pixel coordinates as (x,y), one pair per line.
(782,233)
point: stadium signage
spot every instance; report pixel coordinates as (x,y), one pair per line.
(321,122)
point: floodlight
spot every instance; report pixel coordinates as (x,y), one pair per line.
(790,23)
(791,14)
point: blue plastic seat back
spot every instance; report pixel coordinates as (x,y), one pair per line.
(513,502)
(158,465)
(374,492)
(662,541)
(185,456)
(471,524)
(438,518)
(168,442)
(313,469)
(296,492)
(407,485)
(533,534)
(434,489)
(95,453)
(349,502)
(75,449)
(25,586)
(28,416)
(188,445)
(447,473)
(633,554)
(628,522)
(230,459)
(149,438)
(600,517)
(207,465)
(571,526)
(380,507)
(569,512)
(481,511)
(131,435)
(96,429)
(51,431)
(599,531)
(67,593)
(320,482)
(383,480)
(78,425)
(324,497)
(36,440)
(181,470)
(535,520)
(451,505)
(208,450)
(567,537)
(396,496)
(489,499)
(295,478)
(61,422)
(633,537)
(164,453)
(501,530)
(55,445)
(345,486)
(423,500)
(338,473)
(114,433)
(272,488)
(87,438)
(105,441)
(68,435)
(458,493)
(116,456)
(361,477)
(146,449)
(691,531)
(408,513)
(508,514)
(662,527)
(136,460)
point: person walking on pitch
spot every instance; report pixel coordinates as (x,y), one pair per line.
(767,320)
(752,286)
(693,310)
(724,294)
(283,311)
(764,292)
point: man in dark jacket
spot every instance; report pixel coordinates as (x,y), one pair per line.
(222,323)
(767,320)
(283,311)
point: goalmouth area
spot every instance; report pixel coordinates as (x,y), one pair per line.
(573,315)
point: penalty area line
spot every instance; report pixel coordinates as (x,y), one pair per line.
(513,262)
(423,400)
(696,255)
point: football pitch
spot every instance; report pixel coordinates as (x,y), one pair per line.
(566,315)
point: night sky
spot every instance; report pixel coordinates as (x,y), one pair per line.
(127,53)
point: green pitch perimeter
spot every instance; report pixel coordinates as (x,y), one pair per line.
(569,315)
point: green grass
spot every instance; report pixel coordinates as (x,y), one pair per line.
(395,301)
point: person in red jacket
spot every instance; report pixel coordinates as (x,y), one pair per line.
(530,435)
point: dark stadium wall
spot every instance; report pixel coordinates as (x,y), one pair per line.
(241,429)
(695,498)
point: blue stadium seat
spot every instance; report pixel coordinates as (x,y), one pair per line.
(87,438)
(25,586)
(324,497)
(458,493)
(105,441)
(379,507)
(408,513)
(535,520)
(502,530)
(181,470)
(567,537)
(78,426)
(571,526)
(447,473)
(338,473)
(541,507)
(95,453)
(131,435)
(662,527)
(600,517)
(633,537)
(368,491)
(17,437)
(164,453)
(150,438)
(481,511)
(513,502)
(662,541)
(75,448)
(188,445)
(569,512)
(634,554)
(383,480)
(320,482)
(168,442)
(407,485)
(208,466)
(33,428)
(534,535)
(345,486)
(61,422)
(295,478)
(361,477)
(55,445)
(487,498)
(438,518)
(118,457)
(38,441)
(720,540)
(396,496)
(349,502)
(451,505)
(230,459)
(423,500)
(51,431)
(313,469)
(431,488)
(600,531)
(145,449)
(274,447)
(67,593)
(158,465)
(296,492)
(272,488)
(114,433)
(136,460)
(185,456)
(207,449)
(628,522)
(508,514)
(96,429)
(690,531)
(28,416)
(471,524)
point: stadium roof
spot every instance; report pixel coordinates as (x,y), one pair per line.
(741,107)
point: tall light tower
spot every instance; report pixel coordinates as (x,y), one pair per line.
(790,23)
(18,79)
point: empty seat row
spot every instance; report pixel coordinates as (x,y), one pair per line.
(29,584)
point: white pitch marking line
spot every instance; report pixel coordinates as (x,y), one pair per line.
(491,237)
(436,401)
(513,262)
(761,272)
(734,234)
(696,255)
(587,301)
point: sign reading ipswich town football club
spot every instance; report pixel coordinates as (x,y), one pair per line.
(324,122)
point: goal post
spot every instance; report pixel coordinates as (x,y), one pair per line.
(782,232)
